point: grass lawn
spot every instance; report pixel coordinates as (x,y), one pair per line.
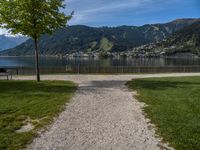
(28,102)
(173,105)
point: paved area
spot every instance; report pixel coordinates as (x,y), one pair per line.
(103,115)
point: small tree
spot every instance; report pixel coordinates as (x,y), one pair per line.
(33,18)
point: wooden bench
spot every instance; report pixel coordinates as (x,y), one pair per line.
(4,72)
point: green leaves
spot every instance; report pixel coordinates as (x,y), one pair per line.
(32,17)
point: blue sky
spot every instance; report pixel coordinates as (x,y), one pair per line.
(129,12)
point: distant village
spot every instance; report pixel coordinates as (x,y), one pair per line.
(142,51)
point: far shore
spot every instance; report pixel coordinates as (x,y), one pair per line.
(83,55)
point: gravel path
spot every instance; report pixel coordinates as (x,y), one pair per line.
(103,115)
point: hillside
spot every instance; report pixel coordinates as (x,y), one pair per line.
(10,41)
(88,39)
(184,40)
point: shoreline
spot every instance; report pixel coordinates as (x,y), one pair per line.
(111,57)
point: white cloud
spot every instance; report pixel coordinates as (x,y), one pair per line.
(3,31)
(86,13)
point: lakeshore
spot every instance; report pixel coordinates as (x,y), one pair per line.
(103,114)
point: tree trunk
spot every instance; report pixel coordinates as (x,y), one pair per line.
(37,60)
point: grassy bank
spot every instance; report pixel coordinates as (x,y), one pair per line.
(173,105)
(28,102)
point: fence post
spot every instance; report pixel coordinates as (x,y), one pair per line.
(184,69)
(78,69)
(138,69)
(17,71)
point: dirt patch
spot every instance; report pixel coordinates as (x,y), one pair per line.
(26,128)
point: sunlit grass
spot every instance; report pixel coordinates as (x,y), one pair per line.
(173,105)
(23,102)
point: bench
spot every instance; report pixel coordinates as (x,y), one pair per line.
(4,72)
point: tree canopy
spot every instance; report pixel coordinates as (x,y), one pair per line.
(32,17)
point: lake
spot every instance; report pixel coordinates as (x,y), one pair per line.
(92,62)
(49,65)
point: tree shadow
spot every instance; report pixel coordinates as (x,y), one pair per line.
(107,84)
(157,85)
(32,86)
(102,86)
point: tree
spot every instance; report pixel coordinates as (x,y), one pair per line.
(33,18)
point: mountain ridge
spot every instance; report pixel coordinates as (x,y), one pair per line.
(184,40)
(7,41)
(81,38)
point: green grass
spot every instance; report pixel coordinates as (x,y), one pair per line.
(173,105)
(27,101)
(105,45)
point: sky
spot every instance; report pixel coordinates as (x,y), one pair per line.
(129,12)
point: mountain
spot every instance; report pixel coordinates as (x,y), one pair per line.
(184,40)
(7,42)
(87,39)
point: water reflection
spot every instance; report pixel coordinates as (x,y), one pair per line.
(53,62)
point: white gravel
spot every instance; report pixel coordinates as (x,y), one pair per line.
(103,115)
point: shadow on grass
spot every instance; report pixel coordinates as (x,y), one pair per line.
(32,86)
(157,85)
(17,96)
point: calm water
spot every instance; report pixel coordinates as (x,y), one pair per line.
(52,62)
